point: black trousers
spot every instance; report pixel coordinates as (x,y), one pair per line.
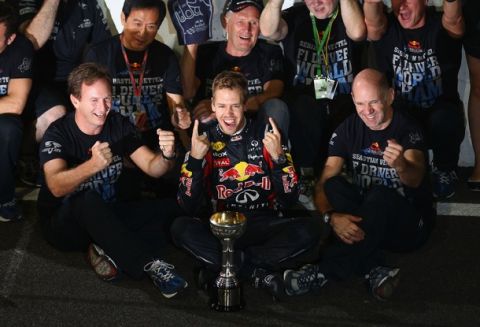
(268,242)
(444,125)
(389,220)
(132,233)
(312,122)
(11,132)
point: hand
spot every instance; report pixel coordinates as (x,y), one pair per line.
(166,141)
(273,141)
(101,155)
(373,1)
(200,143)
(346,228)
(181,118)
(203,111)
(393,155)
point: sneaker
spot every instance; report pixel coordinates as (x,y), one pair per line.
(302,281)
(306,186)
(273,283)
(10,212)
(104,266)
(382,281)
(165,277)
(443,183)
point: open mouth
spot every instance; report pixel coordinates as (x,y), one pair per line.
(405,16)
(229,122)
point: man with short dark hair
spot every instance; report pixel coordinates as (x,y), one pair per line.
(241,165)
(146,84)
(82,158)
(146,75)
(387,205)
(16,54)
(421,50)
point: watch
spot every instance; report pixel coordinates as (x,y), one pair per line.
(327,216)
(281,159)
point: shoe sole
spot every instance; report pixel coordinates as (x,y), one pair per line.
(386,289)
(6,220)
(443,197)
(95,259)
(170,295)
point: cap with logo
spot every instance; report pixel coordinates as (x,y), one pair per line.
(237,5)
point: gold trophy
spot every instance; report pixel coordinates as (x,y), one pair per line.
(227,226)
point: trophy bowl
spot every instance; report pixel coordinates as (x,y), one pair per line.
(227,226)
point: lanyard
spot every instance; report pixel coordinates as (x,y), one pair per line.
(137,89)
(320,45)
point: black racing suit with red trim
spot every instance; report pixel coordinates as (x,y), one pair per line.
(238,174)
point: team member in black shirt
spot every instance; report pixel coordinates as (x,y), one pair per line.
(60,32)
(420,51)
(82,157)
(388,204)
(16,54)
(318,38)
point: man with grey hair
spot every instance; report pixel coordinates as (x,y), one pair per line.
(260,62)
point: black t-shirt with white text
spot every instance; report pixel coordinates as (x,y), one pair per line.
(64,140)
(15,62)
(77,24)
(301,54)
(362,149)
(422,63)
(264,63)
(162,75)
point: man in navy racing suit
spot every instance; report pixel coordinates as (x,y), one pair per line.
(241,165)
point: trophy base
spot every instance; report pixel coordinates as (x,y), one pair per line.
(227,300)
(214,305)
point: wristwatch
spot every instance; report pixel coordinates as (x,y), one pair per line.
(281,159)
(327,216)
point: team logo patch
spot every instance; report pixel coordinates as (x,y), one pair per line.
(51,147)
(240,172)
(217,146)
(414,44)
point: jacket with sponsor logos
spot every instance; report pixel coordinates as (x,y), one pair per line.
(237,174)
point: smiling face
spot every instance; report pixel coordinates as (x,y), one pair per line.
(243,29)
(410,13)
(321,9)
(229,108)
(372,100)
(93,106)
(140,28)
